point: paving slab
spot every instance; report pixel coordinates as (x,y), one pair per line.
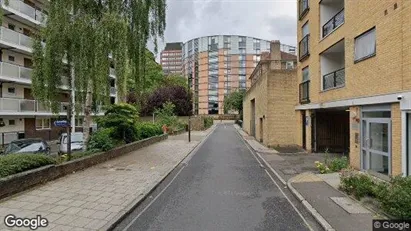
(94,198)
(349,205)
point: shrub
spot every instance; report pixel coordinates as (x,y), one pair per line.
(337,164)
(395,198)
(208,122)
(15,163)
(356,184)
(146,130)
(101,140)
(122,118)
(322,168)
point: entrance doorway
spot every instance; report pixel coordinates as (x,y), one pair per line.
(261,129)
(252,121)
(303,129)
(376,141)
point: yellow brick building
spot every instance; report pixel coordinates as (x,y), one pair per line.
(268,107)
(354,82)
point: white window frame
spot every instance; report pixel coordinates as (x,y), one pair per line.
(306,27)
(44,125)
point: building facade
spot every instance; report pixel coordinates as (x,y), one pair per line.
(354,82)
(21,116)
(217,65)
(268,106)
(171,58)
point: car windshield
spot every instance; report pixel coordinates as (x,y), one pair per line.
(75,138)
(20,147)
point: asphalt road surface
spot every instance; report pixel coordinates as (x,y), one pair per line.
(222,187)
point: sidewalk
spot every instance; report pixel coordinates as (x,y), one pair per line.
(97,197)
(318,192)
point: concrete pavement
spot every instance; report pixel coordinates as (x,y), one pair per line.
(97,197)
(222,187)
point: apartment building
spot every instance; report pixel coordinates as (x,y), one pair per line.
(171,58)
(268,106)
(21,116)
(355,83)
(219,64)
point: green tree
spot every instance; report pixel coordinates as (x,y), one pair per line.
(234,101)
(87,33)
(172,80)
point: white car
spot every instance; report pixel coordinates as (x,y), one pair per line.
(77,142)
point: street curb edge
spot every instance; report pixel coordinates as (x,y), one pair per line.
(125,212)
(320,219)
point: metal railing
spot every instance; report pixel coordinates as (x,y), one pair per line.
(27,105)
(334,79)
(302,8)
(23,8)
(112,72)
(15,71)
(16,38)
(305,92)
(303,47)
(333,23)
(112,91)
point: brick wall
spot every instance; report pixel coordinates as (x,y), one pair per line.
(355,145)
(396,161)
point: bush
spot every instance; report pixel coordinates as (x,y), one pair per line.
(395,198)
(357,184)
(122,118)
(208,122)
(146,130)
(165,115)
(101,140)
(15,163)
(337,164)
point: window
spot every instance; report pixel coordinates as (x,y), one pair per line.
(256,58)
(43,124)
(258,51)
(305,29)
(306,74)
(11,90)
(11,58)
(242,50)
(241,77)
(12,26)
(289,65)
(241,57)
(12,122)
(365,46)
(79,122)
(225,52)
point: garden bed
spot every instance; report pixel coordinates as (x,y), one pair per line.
(24,180)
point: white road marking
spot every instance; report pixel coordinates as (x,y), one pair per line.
(272,179)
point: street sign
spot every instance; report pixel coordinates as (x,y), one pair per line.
(61,123)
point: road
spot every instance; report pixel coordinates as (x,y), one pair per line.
(222,187)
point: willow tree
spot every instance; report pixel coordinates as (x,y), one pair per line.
(90,35)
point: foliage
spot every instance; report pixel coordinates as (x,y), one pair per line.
(15,163)
(177,95)
(208,122)
(234,101)
(122,119)
(101,140)
(146,130)
(174,80)
(395,198)
(166,115)
(356,184)
(333,165)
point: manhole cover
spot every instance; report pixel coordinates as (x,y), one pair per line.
(289,171)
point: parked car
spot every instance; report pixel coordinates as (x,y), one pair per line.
(77,142)
(35,145)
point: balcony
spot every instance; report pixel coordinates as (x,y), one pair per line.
(303,47)
(112,72)
(305,92)
(334,23)
(331,16)
(25,11)
(13,72)
(334,79)
(333,66)
(11,38)
(113,91)
(25,106)
(303,8)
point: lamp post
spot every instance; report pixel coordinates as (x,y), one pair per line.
(189,113)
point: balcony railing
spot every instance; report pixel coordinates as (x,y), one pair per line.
(302,8)
(305,92)
(16,38)
(334,79)
(23,8)
(304,50)
(112,72)
(14,71)
(333,23)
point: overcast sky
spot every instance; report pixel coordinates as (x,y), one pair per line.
(265,19)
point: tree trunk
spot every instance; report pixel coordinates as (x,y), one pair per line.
(87,115)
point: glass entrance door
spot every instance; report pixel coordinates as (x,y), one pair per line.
(376,145)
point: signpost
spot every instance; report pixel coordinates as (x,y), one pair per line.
(61,123)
